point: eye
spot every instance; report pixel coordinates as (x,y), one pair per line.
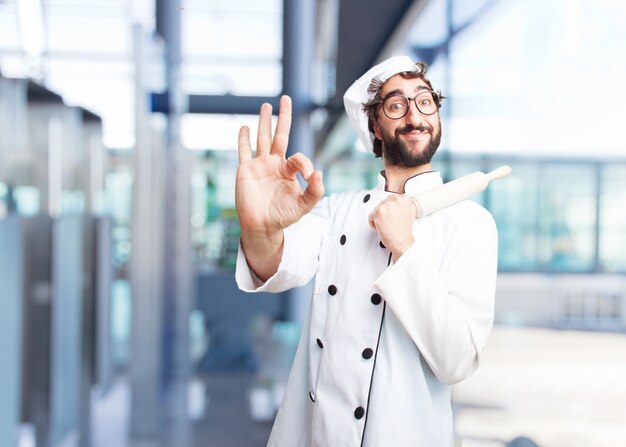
(425,101)
(393,104)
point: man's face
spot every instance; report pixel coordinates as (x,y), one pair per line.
(412,140)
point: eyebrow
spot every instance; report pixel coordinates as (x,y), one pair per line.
(400,92)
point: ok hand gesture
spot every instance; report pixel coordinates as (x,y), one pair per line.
(268,196)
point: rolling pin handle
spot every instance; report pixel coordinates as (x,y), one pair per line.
(500,172)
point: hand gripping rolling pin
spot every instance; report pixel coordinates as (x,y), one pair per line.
(455,191)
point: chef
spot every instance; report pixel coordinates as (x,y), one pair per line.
(402,307)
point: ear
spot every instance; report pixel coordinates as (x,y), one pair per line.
(376,127)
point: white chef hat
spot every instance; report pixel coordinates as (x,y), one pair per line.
(357,94)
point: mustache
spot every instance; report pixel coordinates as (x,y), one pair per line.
(411,128)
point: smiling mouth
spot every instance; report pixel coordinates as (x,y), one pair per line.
(415,134)
(419,130)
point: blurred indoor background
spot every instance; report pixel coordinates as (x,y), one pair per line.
(121,324)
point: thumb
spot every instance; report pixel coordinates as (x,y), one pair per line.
(371,221)
(314,191)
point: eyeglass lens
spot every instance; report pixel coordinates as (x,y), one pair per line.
(396,106)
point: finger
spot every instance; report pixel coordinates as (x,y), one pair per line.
(264,135)
(283,125)
(243,146)
(370,220)
(299,163)
(313,192)
(417,207)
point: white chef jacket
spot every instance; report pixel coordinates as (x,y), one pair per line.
(383,341)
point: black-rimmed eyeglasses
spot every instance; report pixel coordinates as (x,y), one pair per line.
(397,106)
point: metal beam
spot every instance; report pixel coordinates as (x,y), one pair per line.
(145,361)
(298,55)
(39,93)
(207,104)
(177,269)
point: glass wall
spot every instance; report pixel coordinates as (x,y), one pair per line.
(514,203)
(555,216)
(214,222)
(612,234)
(560,217)
(4,200)
(119,202)
(567,217)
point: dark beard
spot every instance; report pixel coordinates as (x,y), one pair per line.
(395,152)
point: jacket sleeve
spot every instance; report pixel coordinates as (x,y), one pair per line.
(300,259)
(447,311)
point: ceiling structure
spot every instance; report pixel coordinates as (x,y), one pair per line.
(232,55)
(89,43)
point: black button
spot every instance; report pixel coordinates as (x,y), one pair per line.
(342,240)
(332,289)
(381,244)
(359,412)
(366,198)
(376,299)
(367,353)
(312,396)
(319,343)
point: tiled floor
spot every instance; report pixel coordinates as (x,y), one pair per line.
(559,388)
(227,421)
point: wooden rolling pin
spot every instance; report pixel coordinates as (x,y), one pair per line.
(456,190)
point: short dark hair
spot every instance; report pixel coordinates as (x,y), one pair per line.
(371,107)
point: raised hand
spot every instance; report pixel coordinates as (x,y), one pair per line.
(268,196)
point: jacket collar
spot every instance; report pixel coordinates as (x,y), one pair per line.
(416,184)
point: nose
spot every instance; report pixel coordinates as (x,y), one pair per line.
(413,115)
